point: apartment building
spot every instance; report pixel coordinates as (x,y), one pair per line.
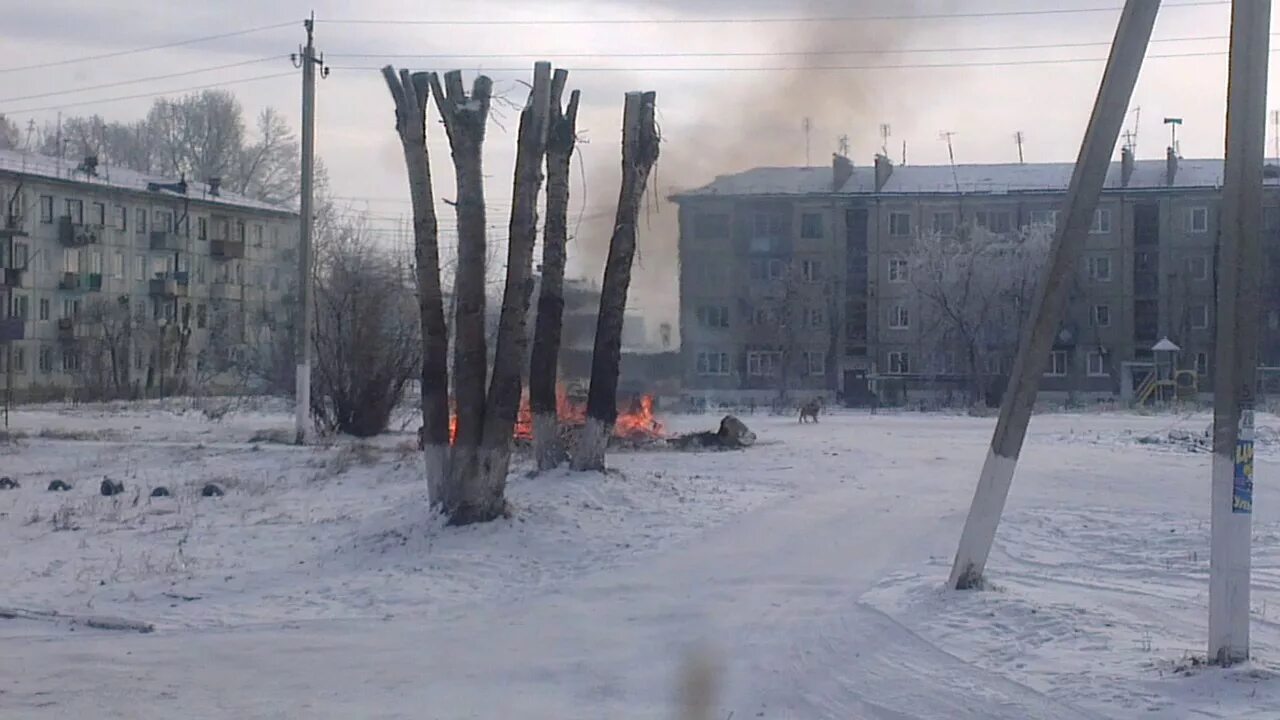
(117,283)
(800,279)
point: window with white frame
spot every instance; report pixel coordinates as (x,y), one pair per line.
(767,230)
(1101,316)
(899,317)
(46,359)
(715,316)
(21,255)
(1097,363)
(75,210)
(117,265)
(140,221)
(1202,363)
(811,270)
(811,226)
(816,319)
(899,270)
(1198,267)
(1101,221)
(46,208)
(1198,219)
(99,215)
(1199,316)
(1100,268)
(763,363)
(900,224)
(944,223)
(20,307)
(141,268)
(95,262)
(164,220)
(1057,364)
(996,221)
(1044,218)
(898,362)
(70,260)
(257,235)
(44,309)
(815,363)
(713,363)
(202,228)
(122,218)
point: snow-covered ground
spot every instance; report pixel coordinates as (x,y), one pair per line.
(809,566)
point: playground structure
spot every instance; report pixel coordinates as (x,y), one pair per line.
(1161,382)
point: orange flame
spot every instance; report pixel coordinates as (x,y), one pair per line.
(638,422)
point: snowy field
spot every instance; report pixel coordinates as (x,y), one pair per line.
(809,566)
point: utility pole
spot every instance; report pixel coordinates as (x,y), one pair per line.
(302,341)
(1235,374)
(1275,132)
(1017,138)
(951,155)
(1118,79)
(807,125)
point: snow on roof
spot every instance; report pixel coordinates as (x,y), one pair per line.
(974,179)
(36,165)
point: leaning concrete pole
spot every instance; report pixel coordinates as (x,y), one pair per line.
(1118,79)
(1235,371)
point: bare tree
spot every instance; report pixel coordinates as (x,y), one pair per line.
(10,135)
(975,293)
(267,167)
(503,402)
(410,95)
(639,154)
(465,117)
(104,338)
(543,363)
(366,341)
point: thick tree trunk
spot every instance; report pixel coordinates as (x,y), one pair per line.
(410,95)
(511,352)
(639,153)
(464,121)
(548,449)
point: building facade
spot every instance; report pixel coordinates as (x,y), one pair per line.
(120,284)
(809,280)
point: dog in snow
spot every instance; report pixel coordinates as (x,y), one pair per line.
(810,410)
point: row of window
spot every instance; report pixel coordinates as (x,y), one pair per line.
(68,359)
(760,363)
(92,261)
(767,228)
(898,362)
(161,220)
(717,316)
(70,308)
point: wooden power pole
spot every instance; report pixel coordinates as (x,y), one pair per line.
(1109,110)
(1235,371)
(302,340)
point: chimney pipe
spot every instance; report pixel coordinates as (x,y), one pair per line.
(1126,165)
(884,169)
(214,184)
(841,171)
(1170,166)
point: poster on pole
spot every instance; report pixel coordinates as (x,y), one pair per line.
(1242,482)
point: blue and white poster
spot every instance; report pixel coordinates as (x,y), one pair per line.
(1242,482)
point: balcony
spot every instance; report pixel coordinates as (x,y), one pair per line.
(66,329)
(10,278)
(226,249)
(170,285)
(75,234)
(73,281)
(223,290)
(167,240)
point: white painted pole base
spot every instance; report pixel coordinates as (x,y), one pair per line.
(548,448)
(1229,557)
(980,526)
(302,411)
(436,459)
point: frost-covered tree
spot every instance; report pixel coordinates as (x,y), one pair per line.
(975,291)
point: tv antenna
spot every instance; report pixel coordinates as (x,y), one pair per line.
(1173,124)
(885,131)
(1018,138)
(951,154)
(807,125)
(843,145)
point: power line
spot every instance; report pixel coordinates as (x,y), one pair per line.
(135,81)
(761,54)
(751,20)
(163,46)
(27,111)
(793,68)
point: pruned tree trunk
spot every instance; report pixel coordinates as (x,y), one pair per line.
(503,403)
(465,118)
(639,154)
(548,448)
(410,95)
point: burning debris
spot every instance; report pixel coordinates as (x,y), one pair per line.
(636,426)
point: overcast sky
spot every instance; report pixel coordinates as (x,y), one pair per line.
(717,116)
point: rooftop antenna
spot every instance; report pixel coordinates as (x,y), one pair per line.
(843,145)
(951,154)
(1018,138)
(904,152)
(807,125)
(1173,124)
(885,131)
(31,130)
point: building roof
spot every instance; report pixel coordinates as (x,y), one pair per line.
(42,166)
(992,179)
